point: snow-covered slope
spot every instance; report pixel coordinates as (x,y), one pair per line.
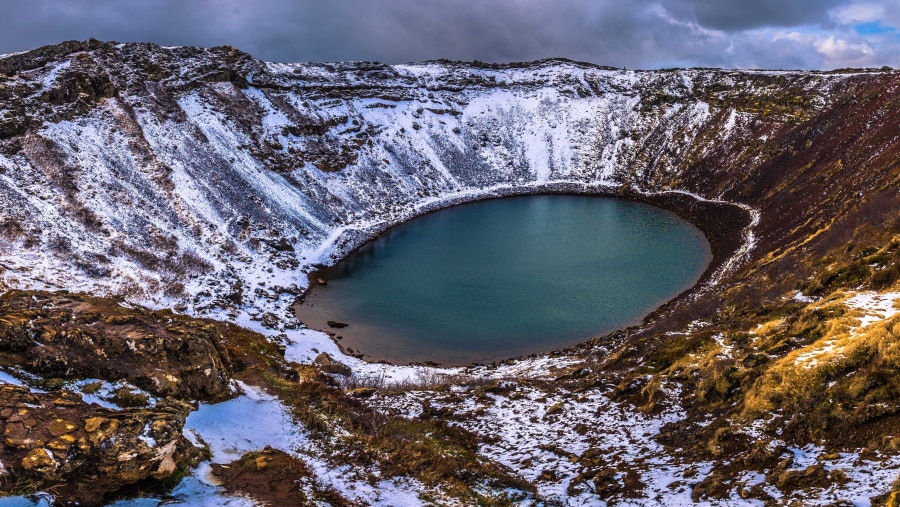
(206,178)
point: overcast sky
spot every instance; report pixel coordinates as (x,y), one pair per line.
(648,34)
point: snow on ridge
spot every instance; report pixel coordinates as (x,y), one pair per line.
(51,76)
(235,174)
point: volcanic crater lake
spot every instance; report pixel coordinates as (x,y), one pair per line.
(502,278)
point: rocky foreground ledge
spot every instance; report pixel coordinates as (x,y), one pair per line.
(96,409)
(104,391)
(81,452)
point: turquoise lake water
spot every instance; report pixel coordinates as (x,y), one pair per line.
(497,279)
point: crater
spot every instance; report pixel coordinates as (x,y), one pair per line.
(489,280)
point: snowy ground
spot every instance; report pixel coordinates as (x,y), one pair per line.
(540,434)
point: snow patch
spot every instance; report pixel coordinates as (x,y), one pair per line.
(875,307)
(247,423)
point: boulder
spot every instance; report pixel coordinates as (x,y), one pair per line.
(269,320)
(328,364)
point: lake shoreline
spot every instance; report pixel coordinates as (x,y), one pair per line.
(723,225)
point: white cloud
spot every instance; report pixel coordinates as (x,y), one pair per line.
(858,13)
(811,48)
(833,49)
(692,27)
(791,36)
(842,53)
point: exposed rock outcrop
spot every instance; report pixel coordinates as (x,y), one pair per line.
(81,452)
(73,336)
(272,477)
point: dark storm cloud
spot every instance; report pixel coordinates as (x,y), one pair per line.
(632,33)
(744,14)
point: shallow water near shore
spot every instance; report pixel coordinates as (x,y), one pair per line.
(497,279)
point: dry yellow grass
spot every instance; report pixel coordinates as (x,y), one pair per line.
(702,357)
(768,328)
(845,363)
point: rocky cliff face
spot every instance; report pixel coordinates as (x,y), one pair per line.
(82,451)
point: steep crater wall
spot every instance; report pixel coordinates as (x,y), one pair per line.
(207,180)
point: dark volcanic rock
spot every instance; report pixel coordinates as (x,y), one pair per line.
(75,336)
(79,85)
(56,442)
(41,56)
(273,477)
(269,320)
(328,364)
(12,124)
